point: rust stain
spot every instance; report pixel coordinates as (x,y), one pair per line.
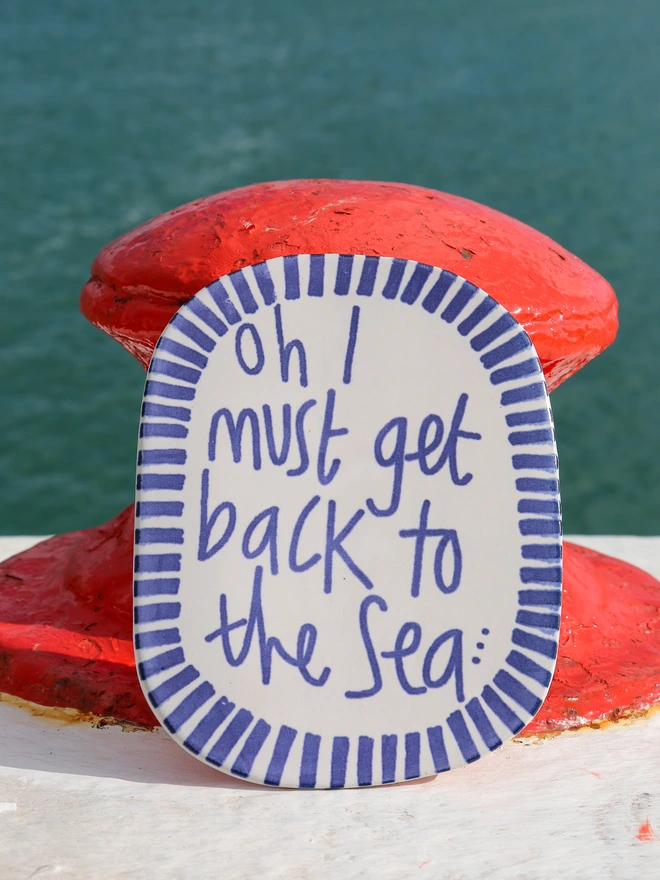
(68,716)
(618,717)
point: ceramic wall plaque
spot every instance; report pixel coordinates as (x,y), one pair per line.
(348,537)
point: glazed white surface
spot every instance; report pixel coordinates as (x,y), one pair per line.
(288,628)
(77,802)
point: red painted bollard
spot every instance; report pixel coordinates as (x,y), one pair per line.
(66,605)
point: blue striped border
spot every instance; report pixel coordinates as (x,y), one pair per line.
(210,725)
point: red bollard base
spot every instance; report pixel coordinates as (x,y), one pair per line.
(64,645)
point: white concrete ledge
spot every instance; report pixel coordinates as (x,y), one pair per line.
(77,802)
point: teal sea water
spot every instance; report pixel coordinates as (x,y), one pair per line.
(112,113)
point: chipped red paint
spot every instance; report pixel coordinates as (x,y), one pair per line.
(645,832)
(66,604)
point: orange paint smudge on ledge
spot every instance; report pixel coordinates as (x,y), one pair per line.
(646,833)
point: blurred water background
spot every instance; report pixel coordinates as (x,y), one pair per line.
(112,113)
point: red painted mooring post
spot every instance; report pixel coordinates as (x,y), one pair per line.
(65,605)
